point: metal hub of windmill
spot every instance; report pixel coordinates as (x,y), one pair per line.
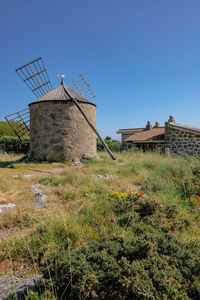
(35,76)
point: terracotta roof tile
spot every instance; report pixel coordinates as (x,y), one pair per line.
(131,130)
(148,135)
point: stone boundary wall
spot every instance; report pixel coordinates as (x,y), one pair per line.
(181,141)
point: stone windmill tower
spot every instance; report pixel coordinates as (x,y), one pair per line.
(58,131)
(62,121)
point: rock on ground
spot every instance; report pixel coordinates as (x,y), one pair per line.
(104,176)
(40,198)
(15,176)
(7,207)
(15,286)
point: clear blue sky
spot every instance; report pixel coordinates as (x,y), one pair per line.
(141,57)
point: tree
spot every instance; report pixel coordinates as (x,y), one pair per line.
(5,129)
(114,145)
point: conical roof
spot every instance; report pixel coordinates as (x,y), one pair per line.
(62,93)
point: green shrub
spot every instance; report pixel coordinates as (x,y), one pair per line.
(10,144)
(148,262)
(5,129)
(144,266)
(114,145)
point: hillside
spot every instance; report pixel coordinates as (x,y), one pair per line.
(132,235)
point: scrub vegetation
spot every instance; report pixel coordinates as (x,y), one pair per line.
(135,235)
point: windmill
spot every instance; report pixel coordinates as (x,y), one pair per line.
(35,76)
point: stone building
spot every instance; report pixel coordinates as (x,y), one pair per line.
(58,131)
(173,138)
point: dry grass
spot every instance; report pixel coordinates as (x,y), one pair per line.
(75,208)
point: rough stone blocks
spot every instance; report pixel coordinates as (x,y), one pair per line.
(59,132)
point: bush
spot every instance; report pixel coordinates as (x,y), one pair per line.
(145,266)
(148,262)
(114,145)
(10,144)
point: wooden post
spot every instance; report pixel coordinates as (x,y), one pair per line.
(94,129)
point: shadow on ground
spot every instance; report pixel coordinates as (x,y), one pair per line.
(11,163)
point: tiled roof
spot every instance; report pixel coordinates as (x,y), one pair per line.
(184,127)
(131,130)
(62,93)
(153,134)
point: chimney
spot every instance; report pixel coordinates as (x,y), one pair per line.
(157,125)
(168,134)
(148,126)
(171,119)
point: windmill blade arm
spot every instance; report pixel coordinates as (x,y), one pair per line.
(82,87)
(19,123)
(35,76)
(95,130)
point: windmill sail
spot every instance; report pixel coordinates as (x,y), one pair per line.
(35,76)
(19,122)
(81,86)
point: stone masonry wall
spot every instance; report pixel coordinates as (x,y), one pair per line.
(59,132)
(158,146)
(181,141)
(125,135)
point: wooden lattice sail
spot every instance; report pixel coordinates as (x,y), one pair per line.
(35,76)
(82,87)
(19,122)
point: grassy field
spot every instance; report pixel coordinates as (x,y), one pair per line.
(150,198)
